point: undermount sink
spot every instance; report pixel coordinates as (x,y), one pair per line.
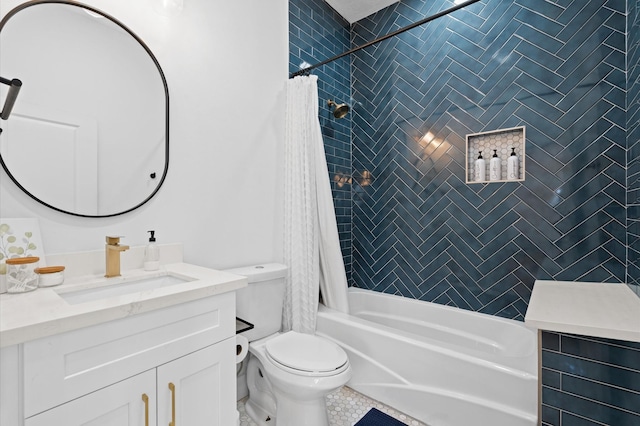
(118,286)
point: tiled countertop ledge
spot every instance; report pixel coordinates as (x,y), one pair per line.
(606,310)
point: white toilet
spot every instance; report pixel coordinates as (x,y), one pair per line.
(288,374)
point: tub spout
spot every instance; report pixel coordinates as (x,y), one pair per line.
(112,256)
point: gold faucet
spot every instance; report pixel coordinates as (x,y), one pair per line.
(112,256)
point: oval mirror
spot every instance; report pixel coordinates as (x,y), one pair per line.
(88,134)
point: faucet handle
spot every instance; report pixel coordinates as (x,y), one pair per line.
(113,240)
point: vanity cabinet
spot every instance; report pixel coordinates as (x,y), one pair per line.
(196,396)
(98,375)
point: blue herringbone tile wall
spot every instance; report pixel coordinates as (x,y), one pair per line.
(316,33)
(633,141)
(556,67)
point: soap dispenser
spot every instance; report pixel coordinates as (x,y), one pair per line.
(480,169)
(494,167)
(512,166)
(152,254)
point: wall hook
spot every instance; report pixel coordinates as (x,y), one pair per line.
(12,94)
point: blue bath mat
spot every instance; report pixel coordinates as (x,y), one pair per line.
(378,418)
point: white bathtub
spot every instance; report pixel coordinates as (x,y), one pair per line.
(442,365)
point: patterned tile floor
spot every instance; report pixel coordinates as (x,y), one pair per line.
(345,407)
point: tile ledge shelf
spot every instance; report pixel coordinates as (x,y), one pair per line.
(496,181)
(607,310)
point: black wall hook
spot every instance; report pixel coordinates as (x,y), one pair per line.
(12,95)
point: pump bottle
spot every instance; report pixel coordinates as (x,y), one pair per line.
(512,166)
(152,254)
(494,167)
(480,169)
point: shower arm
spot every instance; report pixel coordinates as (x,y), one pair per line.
(12,94)
(306,70)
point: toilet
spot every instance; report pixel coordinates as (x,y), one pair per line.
(288,373)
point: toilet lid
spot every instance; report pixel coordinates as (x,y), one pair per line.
(306,352)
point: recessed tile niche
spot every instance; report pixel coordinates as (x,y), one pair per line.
(502,141)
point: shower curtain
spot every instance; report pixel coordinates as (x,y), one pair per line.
(311,243)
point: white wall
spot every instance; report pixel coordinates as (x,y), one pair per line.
(226,67)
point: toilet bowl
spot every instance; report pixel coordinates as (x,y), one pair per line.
(288,376)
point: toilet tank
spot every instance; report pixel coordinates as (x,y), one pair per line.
(260,303)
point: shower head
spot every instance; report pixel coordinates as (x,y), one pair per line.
(340,110)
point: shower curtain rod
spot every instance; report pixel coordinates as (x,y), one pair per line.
(378,40)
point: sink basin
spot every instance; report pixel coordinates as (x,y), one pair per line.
(118,288)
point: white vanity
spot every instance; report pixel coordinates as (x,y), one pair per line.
(148,348)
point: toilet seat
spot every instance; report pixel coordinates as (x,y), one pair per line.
(306,354)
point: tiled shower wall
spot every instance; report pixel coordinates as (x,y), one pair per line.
(633,140)
(556,67)
(316,33)
(589,381)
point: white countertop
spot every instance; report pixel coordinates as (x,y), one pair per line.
(44,312)
(606,310)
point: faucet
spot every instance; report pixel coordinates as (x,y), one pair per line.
(112,256)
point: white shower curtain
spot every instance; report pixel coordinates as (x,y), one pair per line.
(311,244)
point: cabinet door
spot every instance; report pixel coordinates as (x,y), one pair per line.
(120,404)
(203,387)
(10,384)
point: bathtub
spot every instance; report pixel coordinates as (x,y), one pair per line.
(442,365)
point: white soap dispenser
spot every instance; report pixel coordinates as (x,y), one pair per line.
(494,167)
(512,166)
(152,254)
(480,169)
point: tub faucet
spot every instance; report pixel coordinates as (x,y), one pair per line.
(112,256)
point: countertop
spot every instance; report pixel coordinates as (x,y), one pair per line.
(44,312)
(606,310)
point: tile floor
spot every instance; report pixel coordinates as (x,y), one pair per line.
(345,407)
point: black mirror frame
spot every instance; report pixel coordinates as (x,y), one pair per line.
(164,83)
